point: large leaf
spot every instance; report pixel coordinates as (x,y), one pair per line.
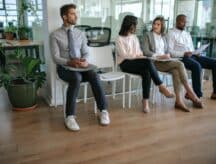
(32,66)
(19,54)
(5,79)
(40,78)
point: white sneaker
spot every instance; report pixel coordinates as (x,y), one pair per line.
(146,110)
(104,117)
(71,123)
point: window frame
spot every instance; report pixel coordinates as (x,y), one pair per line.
(3,5)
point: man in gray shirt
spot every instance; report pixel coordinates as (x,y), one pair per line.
(69,49)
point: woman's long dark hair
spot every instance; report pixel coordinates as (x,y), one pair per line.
(163,26)
(128,23)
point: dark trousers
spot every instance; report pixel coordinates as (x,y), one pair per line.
(195,65)
(146,69)
(74,78)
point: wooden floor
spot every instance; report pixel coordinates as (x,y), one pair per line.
(164,136)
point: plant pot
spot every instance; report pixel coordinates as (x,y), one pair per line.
(23,33)
(23,36)
(9,36)
(22,94)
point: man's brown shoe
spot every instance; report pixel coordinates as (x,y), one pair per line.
(187,96)
(182,107)
(198,104)
(213,96)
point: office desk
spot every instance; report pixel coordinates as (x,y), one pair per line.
(30,47)
(206,39)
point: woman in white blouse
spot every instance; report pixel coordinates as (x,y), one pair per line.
(155,45)
(131,60)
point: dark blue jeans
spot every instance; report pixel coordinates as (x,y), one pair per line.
(146,69)
(195,65)
(74,78)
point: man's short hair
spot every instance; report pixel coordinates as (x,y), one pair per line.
(64,9)
(179,16)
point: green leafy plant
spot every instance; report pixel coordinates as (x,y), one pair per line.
(10,29)
(23,32)
(26,7)
(5,73)
(29,70)
(5,79)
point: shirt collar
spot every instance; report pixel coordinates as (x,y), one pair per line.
(69,27)
(179,30)
(154,33)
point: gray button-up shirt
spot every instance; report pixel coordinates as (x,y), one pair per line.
(60,48)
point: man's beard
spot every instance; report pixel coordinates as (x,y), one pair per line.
(181,28)
(72,23)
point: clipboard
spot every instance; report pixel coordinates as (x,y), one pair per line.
(90,67)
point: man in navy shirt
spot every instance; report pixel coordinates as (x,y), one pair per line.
(181,45)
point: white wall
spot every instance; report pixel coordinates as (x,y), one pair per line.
(52,21)
(4,100)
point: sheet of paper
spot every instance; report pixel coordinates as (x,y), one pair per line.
(171,59)
(200,50)
(157,59)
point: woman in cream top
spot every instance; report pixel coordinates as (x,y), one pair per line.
(131,60)
(128,48)
(155,45)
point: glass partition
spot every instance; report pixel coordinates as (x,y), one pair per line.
(109,13)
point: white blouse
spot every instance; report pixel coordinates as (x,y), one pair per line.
(159,45)
(127,47)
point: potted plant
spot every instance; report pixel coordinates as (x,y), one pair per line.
(9,32)
(23,32)
(22,80)
(23,29)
